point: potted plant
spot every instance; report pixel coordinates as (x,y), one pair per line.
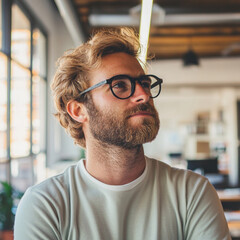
(8,196)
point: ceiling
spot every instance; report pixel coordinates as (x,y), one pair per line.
(211,28)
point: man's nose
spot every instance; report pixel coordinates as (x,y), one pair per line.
(140,95)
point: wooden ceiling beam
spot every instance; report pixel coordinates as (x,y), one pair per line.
(179,51)
(200,30)
(199,6)
(193,40)
(105,3)
(182,48)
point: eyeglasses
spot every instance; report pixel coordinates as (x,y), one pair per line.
(123,86)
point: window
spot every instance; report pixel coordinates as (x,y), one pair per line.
(39,116)
(4,171)
(23,91)
(0,24)
(39,53)
(20,37)
(20,111)
(39,91)
(21,173)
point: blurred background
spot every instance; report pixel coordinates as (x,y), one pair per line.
(196,51)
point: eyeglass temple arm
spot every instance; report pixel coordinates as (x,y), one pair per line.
(159,81)
(93,87)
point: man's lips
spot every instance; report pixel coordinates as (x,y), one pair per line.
(141,113)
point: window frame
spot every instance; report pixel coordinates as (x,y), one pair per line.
(35,23)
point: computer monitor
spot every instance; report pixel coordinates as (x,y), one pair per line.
(207,165)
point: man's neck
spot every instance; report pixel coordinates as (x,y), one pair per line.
(115,165)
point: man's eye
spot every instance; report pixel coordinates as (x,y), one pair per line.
(146,84)
(120,84)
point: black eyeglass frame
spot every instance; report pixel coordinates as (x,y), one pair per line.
(133,80)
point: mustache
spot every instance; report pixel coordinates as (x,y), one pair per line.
(141,107)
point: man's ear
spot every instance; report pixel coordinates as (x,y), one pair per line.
(77,111)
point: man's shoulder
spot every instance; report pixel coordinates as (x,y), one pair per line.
(59,182)
(172,174)
(159,165)
(176,183)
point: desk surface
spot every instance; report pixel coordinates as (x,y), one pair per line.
(229,195)
(234,228)
(233,219)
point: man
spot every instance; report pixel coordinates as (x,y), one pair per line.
(105,101)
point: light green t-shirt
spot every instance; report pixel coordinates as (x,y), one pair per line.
(163,203)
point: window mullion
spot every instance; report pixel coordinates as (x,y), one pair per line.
(9,117)
(6,27)
(31,90)
(31,103)
(6,48)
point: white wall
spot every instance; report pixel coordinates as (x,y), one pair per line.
(218,71)
(60,145)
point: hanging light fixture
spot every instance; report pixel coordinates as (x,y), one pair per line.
(190,58)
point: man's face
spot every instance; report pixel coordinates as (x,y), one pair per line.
(126,123)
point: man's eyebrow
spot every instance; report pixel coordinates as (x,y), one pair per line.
(143,76)
(128,75)
(138,76)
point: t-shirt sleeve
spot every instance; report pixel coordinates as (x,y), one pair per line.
(205,217)
(36,218)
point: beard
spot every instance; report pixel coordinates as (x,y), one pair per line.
(110,128)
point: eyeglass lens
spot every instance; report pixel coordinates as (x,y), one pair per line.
(123,87)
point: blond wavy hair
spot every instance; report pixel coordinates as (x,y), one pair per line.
(73,69)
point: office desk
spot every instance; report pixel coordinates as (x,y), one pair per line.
(230,199)
(229,195)
(233,219)
(234,229)
(234,225)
